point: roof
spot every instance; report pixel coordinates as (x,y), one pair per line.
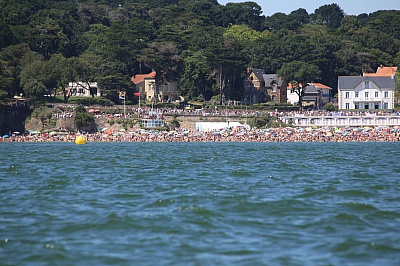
(271,79)
(316,85)
(320,86)
(351,82)
(141,77)
(383,72)
(258,73)
(312,89)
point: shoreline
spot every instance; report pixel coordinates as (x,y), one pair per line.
(237,134)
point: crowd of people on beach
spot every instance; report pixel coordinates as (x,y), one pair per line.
(232,134)
(146,112)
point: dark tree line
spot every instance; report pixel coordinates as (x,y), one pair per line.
(203,45)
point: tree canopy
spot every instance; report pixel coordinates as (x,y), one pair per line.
(204,46)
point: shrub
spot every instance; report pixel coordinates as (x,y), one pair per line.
(329,107)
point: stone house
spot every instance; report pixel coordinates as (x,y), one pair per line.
(260,87)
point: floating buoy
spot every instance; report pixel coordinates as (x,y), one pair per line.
(79,140)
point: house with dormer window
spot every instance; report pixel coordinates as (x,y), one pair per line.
(366,92)
(369,91)
(260,87)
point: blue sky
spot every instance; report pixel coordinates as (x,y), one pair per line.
(350,7)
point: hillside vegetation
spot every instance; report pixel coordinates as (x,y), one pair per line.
(203,45)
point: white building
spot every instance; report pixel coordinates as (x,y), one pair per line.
(366,92)
(325,95)
(84,89)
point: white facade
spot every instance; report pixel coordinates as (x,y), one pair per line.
(84,89)
(338,120)
(366,92)
(292,96)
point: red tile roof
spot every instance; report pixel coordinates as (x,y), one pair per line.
(317,85)
(383,72)
(320,85)
(141,77)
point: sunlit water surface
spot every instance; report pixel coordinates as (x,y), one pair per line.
(200,204)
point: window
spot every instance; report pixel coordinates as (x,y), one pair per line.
(376,105)
(376,94)
(385,106)
(386,94)
(347,95)
(356,106)
(366,95)
(347,105)
(356,94)
(366,85)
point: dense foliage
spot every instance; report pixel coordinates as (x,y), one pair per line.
(203,45)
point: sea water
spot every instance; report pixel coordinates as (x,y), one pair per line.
(200,204)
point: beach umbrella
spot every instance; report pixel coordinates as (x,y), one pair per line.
(16,132)
(92,111)
(52,133)
(5,136)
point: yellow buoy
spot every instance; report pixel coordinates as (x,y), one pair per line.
(79,140)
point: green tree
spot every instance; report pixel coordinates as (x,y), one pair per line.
(13,58)
(63,72)
(6,35)
(299,74)
(329,15)
(164,58)
(34,89)
(229,67)
(83,119)
(34,77)
(112,77)
(195,79)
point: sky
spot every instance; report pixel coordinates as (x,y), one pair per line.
(350,7)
